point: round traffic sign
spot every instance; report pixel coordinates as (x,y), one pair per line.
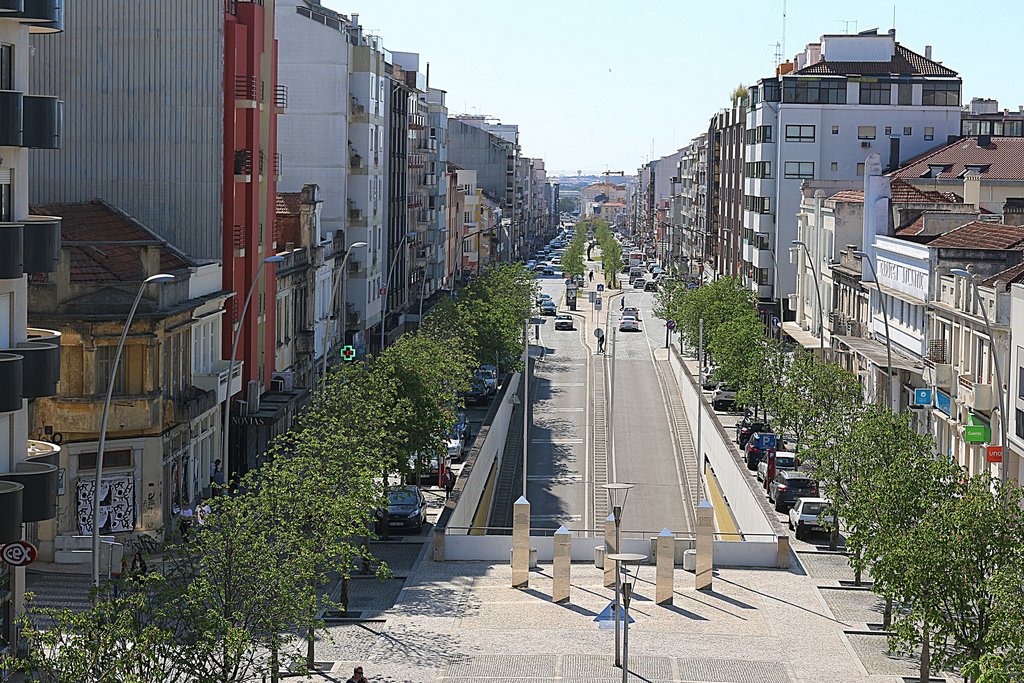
(598,332)
(670,324)
(19,553)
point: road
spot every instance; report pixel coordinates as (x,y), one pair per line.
(566,467)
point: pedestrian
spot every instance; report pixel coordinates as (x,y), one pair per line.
(217,476)
(185,521)
(467,434)
(600,341)
(357,676)
(591,276)
(139,567)
(449,482)
(622,303)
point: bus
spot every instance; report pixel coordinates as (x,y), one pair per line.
(636,258)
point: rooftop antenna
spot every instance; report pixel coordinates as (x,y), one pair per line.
(894,18)
(846,24)
(778,54)
(783,46)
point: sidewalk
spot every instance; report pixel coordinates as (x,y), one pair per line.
(585,311)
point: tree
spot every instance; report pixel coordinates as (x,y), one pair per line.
(735,344)
(739,93)
(495,307)
(761,379)
(572,260)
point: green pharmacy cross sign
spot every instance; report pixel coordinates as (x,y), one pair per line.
(348,354)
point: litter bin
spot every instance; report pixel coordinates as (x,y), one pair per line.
(690,560)
(599,556)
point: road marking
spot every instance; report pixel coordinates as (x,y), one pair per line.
(555,441)
(564,410)
(562,478)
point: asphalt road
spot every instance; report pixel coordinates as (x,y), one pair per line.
(560,478)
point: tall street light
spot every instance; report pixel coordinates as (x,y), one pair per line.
(617,493)
(972,278)
(864,258)
(817,294)
(628,583)
(225,438)
(387,289)
(160,278)
(333,299)
(775,291)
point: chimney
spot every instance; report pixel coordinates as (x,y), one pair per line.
(877,193)
(972,190)
(894,154)
(355,21)
(984,141)
(927,51)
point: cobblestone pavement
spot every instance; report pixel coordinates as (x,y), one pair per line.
(826,566)
(855,607)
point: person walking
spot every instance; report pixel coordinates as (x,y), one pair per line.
(357,676)
(185,521)
(591,276)
(622,303)
(217,476)
(449,482)
(600,341)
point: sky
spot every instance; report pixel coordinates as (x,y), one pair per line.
(598,85)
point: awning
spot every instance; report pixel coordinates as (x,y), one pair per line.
(875,352)
(801,336)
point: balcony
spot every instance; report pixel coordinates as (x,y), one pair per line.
(429,179)
(81,414)
(427,144)
(29,120)
(11,6)
(278,166)
(38,475)
(416,161)
(11,497)
(305,342)
(243,165)
(42,16)
(281,98)
(245,92)
(976,396)
(417,122)
(218,381)
(415,200)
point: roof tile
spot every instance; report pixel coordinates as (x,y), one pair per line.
(1003,157)
(904,62)
(982,235)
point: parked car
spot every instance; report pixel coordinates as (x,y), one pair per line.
(477,393)
(783,461)
(629,324)
(724,397)
(639,283)
(548,308)
(633,311)
(755,450)
(407,509)
(563,321)
(489,379)
(710,383)
(651,286)
(455,447)
(810,514)
(748,426)
(541,298)
(788,486)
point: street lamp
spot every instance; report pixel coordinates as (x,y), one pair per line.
(775,291)
(234,352)
(423,283)
(158,279)
(628,583)
(387,289)
(885,319)
(334,293)
(617,493)
(817,294)
(995,361)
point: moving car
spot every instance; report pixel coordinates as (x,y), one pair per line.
(407,509)
(629,324)
(541,298)
(651,286)
(548,308)
(539,267)
(810,514)
(548,270)
(788,486)
(724,397)
(563,321)
(634,273)
(639,283)
(489,379)
(633,311)
(783,461)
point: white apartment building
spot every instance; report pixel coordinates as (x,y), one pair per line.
(844,98)
(1014,378)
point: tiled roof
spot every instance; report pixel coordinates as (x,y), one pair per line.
(982,235)
(856,196)
(288,203)
(1007,277)
(904,62)
(98,221)
(903,193)
(914,228)
(1002,159)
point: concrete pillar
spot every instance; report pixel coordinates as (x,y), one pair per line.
(705,545)
(610,548)
(562,562)
(782,552)
(521,543)
(666,565)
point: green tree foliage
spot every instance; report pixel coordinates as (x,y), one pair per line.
(611,252)
(572,260)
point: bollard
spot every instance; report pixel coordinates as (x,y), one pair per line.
(782,552)
(610,548)
(562,561)
(705,545)
(521,543)
(665,571)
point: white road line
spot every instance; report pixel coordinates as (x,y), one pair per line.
(558,385)
(562,410)
(555,441)
(568,478)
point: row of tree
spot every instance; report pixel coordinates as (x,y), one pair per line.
(611,250)
(239,597)
(572,259)
(944,549)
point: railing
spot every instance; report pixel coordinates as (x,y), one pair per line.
(245,87)
(281,96)
(278,164)
(575,533)
(415,200)
(416,161)
(243,162)
(937,351)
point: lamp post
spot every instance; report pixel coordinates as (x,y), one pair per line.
(617,493)
(817,295)
(775,292)
(387,290)
(864,258)
(151,280)
(423,283)
(628,583)
(225,438)
(526,399)
(334,294)
(972,278)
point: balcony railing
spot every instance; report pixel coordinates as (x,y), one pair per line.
(217,379)
(415,200)
(417,122)
(416,161)
(245,88)
(281,97)
(243,164)
(278,165)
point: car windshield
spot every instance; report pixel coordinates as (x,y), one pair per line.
(802,484)
(402,497)
(785,462)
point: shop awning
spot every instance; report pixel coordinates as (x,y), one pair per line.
(801,336)
(875,352)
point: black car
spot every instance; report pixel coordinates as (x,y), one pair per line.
(747,427)
(407,509)
(787,486)
(651,286)
(478,393)
(753,453)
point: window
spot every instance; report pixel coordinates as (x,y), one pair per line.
(835,166)
(888,130)
(860,169)
(940,94)
(1018,424)
(799,133)
(758,135)
(875,93)
(907,130)
(904,94)
(865,132)
(104,362)
(771,91)
(6,202)
(814,91)
(759,169)
(755,96)
(835,130)
(800,169)
(761,241)
(761,276)
(929,133)
(758,204)
(6,67)
(119,458)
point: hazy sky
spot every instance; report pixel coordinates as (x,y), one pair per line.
(597,85)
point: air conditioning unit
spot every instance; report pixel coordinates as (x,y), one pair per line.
(286,378)
(354,266)
(990,218)
(794,301)
(276,385)
(865,143)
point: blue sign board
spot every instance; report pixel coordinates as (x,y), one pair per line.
(922,397)
(943,402)
(765,441)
